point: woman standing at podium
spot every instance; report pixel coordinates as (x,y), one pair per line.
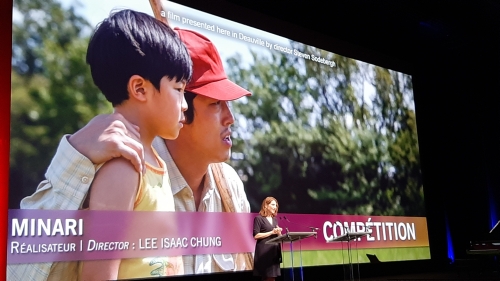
(265,227)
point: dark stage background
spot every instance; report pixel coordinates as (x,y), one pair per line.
(452,50)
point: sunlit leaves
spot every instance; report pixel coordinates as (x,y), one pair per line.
(328,140)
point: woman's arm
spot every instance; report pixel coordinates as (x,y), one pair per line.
(114,188)
(257,228)
(261,235)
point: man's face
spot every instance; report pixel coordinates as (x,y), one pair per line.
(209,134)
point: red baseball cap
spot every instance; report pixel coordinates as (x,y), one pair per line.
(209,78)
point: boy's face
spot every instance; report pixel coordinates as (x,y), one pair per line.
(168,108)
(209,133)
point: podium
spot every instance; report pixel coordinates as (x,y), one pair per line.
(348,237)
(291,237)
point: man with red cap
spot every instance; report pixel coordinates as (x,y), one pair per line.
(200,181)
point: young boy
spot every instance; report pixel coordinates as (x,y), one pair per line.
(142,67)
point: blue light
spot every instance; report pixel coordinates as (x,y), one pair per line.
(493,207)
(451,253)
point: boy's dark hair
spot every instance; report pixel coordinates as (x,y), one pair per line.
(133,43)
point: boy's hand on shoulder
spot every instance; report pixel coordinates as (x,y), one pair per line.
(109,136)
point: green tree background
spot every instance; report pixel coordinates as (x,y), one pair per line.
(309,134)
(317,142)
(52,89)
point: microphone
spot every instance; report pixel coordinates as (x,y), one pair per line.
(285,218)
(368,228)
(315,230)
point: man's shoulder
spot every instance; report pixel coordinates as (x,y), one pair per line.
(161,149)
(227,167)
(236,187)
(230,175)
(229,171)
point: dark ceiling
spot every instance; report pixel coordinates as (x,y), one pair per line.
(398,28)
(453,49)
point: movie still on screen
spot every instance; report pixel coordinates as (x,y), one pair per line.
(225,115)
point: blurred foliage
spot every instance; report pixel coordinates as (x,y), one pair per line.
(313,136)
(52,89)
(317,141)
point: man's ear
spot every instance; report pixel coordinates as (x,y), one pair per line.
(137,87)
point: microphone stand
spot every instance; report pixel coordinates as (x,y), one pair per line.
(349,254)
(349,251)
(291,251)
(349,248)
(313,229)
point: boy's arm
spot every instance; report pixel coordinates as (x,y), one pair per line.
(114,188)
(72,169)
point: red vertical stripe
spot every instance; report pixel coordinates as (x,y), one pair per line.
(5,67)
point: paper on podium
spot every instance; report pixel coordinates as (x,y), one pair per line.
(291,237)
(349,236)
